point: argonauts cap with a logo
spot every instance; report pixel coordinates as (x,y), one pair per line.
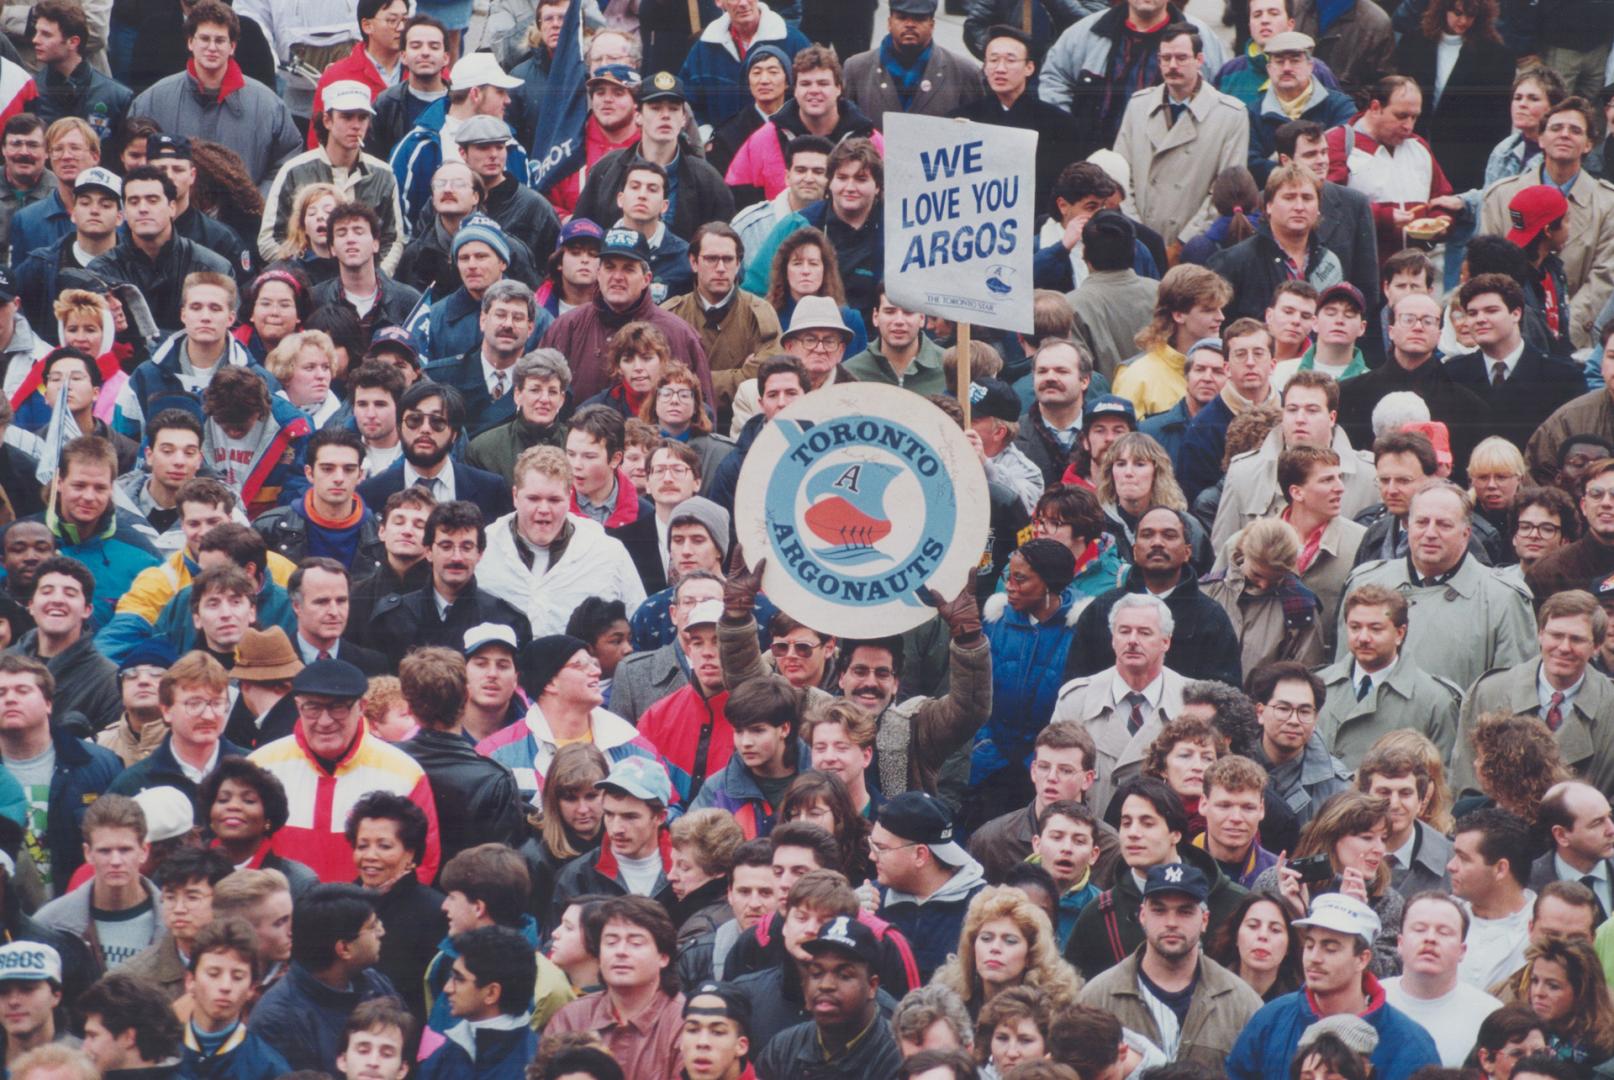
(31,961)
(920,818)
(1176,878)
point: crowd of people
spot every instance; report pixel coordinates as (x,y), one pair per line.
(384,689)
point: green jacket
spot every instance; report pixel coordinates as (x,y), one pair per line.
(924,376)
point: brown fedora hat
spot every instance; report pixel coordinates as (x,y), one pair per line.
(266,656)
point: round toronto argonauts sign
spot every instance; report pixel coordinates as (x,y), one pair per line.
(860,496)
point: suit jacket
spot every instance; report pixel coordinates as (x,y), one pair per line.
(471,484)
(1544,872)
(464,373)
(1091,702)
(1584,738)
(1535,389)
(368,661)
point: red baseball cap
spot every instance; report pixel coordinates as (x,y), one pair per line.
(1532,210)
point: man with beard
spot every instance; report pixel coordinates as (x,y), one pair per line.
(1171,974)
(432,416)
(451,604)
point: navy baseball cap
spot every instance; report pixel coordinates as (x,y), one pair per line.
(1176,878)
(580,228)
(1109,405)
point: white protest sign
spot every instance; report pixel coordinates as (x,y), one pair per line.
(958,216)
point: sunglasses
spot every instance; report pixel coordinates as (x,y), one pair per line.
(414,421)
(802,649)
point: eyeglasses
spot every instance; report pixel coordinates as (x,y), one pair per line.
(719,260)
(863,671)
(1427,321)
(414,421)
(313,710)
(1064,772)
(675,393)
(671,470)
(1283,710)
(876,850)
(802,649)
(819,342)
(453,183)
(1544,529)
(1599,494)
(202,706)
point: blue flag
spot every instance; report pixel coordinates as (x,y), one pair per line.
(418,322)
(557,139)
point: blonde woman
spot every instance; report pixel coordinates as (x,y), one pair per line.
(1495,471)
(304,363)
(1274,615)
(306,244)
(1135,474)
(1007,941)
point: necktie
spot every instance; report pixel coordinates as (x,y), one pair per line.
(498,385)
(1591,881)
(1499,375)
(1555,713)
(1134,720)
(428,483)
(324,654)
(1365,688)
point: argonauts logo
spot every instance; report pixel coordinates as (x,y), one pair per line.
(853,495)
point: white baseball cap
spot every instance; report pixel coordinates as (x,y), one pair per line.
(479,69)
(348,95)
(1343,914)
(30,961)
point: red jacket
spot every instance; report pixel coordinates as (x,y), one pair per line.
(687,728)
(356,66)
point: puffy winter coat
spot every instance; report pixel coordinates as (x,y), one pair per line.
(244,115)
(1028,664)
(692,735)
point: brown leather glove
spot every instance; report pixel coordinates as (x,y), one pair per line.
(740,590)
(961,614)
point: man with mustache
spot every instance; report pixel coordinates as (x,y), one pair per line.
(1125,707)
(1172,973)
(1428,990)
(195,703)
(1203,645)
(27,179)
(451,604)
(485,374)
